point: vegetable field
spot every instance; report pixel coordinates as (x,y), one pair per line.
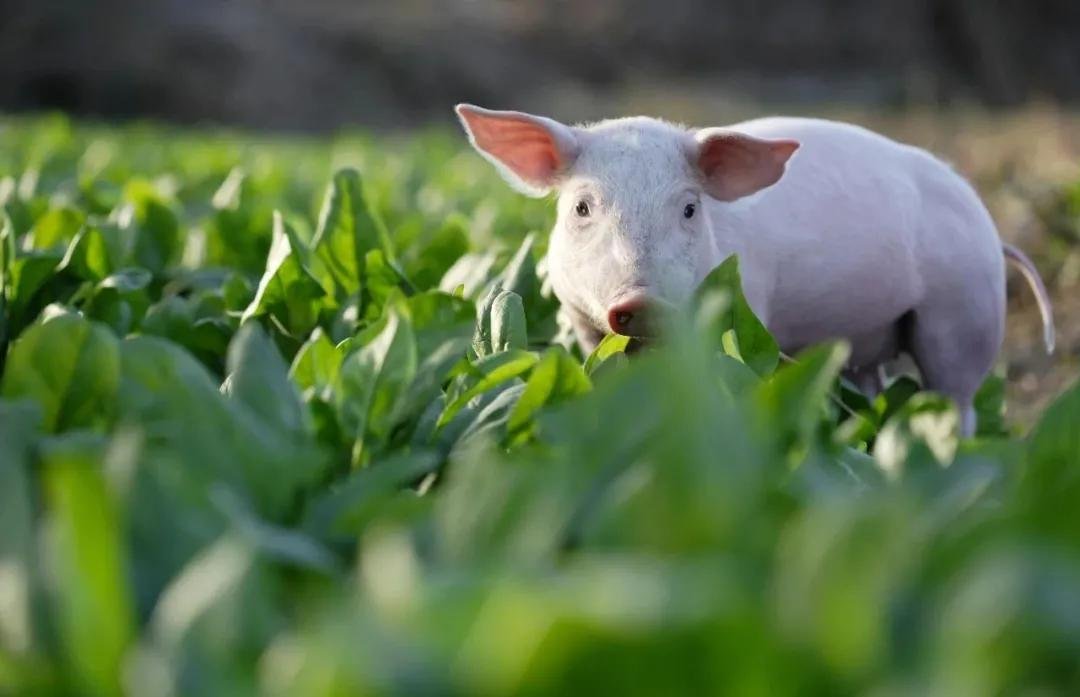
(297,417)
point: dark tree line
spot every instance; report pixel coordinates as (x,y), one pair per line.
(320,63)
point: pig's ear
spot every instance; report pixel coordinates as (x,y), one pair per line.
(531,152)
(734,165)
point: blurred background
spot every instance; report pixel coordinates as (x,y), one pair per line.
(314,64)
(993,86)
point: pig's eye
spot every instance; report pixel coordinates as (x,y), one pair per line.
(582,209)
(688,211)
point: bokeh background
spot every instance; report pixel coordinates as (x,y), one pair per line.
(314,64)
(993,86)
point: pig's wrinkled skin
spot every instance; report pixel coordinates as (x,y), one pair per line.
(857,237)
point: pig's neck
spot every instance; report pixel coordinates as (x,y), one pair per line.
(728,231)
(734,232)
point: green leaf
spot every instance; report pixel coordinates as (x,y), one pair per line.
(753,344)
(554,379)
(508,323)
(482,342)
(492,371)
(287,546)
(610,345)
(484,418)
(344,509)
(372,379)
(128,280)
(89,577)
(19,422)
(792,401)
(258,378)
(1050,482)
(347,230)
(921,435)
(202,439)
(54,230)
(29,273)
(176,318)
(287,290)
(442,325)
(519,276)
(471,272)
(227,197)
(316,365)
(120,300)
(96,252)
(7,249)
(736,378)
(71,367)
(438,316)
(383,281)
(7,258)
(154,226)
(215,606)
(237,293)
(990,407)
(895,396)
(428,260)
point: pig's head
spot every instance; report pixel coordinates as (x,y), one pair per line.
(633,232)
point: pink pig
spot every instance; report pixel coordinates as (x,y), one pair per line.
(841,234)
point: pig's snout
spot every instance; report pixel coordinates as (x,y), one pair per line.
(630,316)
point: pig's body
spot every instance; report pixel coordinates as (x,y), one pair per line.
(841,234)
(872,241)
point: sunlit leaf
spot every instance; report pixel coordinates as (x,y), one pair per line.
(88,568)
(610,345)
(753,344)
(492,371)
(287,289)
(70,367)
(554,379)
(346,232)
(316,364)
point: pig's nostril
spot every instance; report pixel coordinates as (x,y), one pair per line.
(622,318)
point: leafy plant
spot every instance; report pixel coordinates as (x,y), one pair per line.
(272,427)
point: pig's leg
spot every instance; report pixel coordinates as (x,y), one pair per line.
(868,379)
(870,350)
(954,342)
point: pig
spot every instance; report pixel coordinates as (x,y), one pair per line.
(841,233)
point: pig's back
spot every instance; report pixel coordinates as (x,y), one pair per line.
(839,243)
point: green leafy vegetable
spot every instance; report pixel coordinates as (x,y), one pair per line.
(70,367)
(267,427)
